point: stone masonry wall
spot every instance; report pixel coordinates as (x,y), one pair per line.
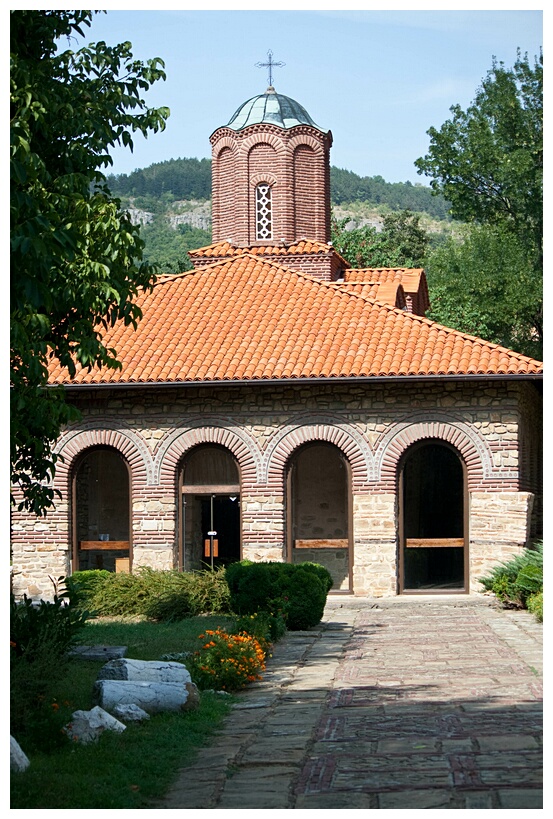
(372,424)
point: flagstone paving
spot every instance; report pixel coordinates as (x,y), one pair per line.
(414,702)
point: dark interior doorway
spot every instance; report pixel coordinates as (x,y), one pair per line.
(210,486)
(433,553)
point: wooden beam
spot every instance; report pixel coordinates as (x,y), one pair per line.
(434,542)
(219,489)
(104,545)
(336,543)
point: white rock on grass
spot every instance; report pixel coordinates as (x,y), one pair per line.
(87,726)
(19,761)
(130,713)
(145,671)
(153,697)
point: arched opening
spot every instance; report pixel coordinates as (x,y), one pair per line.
(101,512)
(210,511)
(433,520)
(319,511)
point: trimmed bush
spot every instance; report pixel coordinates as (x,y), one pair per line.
(297,591)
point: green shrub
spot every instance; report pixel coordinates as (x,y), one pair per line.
(534,604)
(166,596)
(515,581)
(322,573)
(54,624)
(529,581)
(265,626)
(209,592)
(511,568)
(36,717)
(40,636)
(297,592)
(504,589)
(81,586)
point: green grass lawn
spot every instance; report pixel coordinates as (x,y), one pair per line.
(134,768)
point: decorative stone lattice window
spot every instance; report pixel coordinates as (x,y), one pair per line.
(263,212)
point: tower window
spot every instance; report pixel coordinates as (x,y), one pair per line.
(263,212)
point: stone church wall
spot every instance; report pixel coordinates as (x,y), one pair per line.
(372,424)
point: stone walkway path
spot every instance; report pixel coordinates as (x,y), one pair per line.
(405,703)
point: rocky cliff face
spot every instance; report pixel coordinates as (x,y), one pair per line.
(185,212)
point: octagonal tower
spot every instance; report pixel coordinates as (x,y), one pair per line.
(270,174)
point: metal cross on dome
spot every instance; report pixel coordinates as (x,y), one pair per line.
(270,65)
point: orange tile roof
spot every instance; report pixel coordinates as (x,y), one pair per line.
(413,280)
(250,318)
(303,246)
(390,292)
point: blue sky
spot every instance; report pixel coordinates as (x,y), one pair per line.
(377,79)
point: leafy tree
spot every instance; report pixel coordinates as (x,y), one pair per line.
(488,160)
(483,283)
(168,248)
(402,242)
(75,256)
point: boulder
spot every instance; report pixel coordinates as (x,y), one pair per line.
(19,761)
(145,671)
(88,726)
(130,713)
(152,697)
(98,652)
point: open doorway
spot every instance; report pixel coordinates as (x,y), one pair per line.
(210,511)
(101,512)
(319,511)
(433,520)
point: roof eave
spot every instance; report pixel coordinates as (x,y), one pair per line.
(368,379)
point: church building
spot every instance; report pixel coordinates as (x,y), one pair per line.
(276,404)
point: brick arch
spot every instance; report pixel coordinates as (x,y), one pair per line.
(348,440)
(179,442)
(267,177)
(472,449)
(274,140)
(127,443)
(306,140)
(224,143)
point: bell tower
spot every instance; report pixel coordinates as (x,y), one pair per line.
(270,175)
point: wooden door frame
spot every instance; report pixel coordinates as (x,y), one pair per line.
(401,522)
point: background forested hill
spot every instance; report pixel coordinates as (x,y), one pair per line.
(171,200)
(191,179)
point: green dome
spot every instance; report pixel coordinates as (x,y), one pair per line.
(272,108)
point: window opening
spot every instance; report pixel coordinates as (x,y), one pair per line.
(263,212)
